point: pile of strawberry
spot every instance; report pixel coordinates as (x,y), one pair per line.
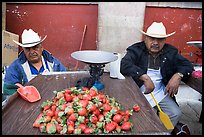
(83,111)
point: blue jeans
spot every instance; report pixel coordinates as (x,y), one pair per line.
(169,106)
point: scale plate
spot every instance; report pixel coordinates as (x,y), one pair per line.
(195,43)
(94,56)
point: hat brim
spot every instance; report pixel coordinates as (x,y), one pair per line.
(31,44)
(157,36)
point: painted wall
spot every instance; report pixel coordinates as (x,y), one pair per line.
(187,22)
(62,23)
(118,25)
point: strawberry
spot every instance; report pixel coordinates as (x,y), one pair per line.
(42,128)
(88,130)
(51,128)
(92,92)
(125,118)
(47,119)
(50,113)
(69,110)
(82,127)
(70,129)
(96,112)
(126,126)
(82,111)
(70,122)
(58,128)
(106,107)
(136,108)
(91,106)
(87,97)
(100,117)
(93,119)
(128,112)
(110,126)
(83,102)
(68,97)
(53,107)
(72,117)
(68,91)
(117,118)
(38,121)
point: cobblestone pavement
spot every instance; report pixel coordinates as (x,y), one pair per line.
(190,102)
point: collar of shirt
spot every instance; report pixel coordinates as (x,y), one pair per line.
(34,71)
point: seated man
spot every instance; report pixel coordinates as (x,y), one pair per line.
(157,67)
(33,60)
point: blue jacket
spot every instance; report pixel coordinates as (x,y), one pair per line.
(16,74)
(135,63)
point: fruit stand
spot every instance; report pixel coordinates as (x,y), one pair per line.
(19,115)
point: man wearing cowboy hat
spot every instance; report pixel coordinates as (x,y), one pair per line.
(33,60)
(157,67)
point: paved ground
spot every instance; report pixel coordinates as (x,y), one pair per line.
(190,103)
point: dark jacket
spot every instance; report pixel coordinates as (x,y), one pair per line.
(135,63)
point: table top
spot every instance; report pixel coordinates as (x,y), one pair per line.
(19,115)
(195,83)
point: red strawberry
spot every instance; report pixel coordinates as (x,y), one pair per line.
(70,122)
(83,102)
(53,107)
(110,126)
(72,117)
(46,108)
(68,91)
(82,127)
(38,120)
(70,111)
(106,107)
(88,130)
(92,92)
(50,113)
(68,97)
(87,96)
(94,119)
(117,118)
(58,128)
(91,107)
(96,112)
(136,108)
(82,111)
(126,126)
(125,118)
(100,117)
(51,128)
(70,129)
(47,118)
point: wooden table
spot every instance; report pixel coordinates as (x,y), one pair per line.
(19,115)
(195,83)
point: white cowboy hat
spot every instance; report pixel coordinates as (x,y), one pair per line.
(30,38)
(157,30)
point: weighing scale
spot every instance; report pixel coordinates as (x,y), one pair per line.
(96,60)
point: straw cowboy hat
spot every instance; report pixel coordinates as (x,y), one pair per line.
(30,38)
(157,30)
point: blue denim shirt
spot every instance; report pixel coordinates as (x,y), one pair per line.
(16,74)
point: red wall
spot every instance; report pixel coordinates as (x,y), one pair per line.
(63,24)
(186,22)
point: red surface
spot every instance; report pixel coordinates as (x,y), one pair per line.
(186,22)
(62,23)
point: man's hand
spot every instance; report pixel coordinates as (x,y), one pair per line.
(173,85)
(149,85)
